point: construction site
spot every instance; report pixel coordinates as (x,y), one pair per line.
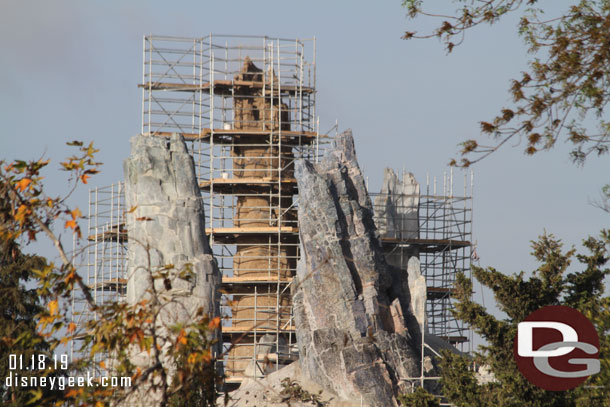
(247,108)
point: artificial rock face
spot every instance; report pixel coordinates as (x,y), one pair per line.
(397,206)
(396,214)
(167,227)
(356,332)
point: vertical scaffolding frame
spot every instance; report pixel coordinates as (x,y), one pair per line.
(246,106)
(441,239)
(103,261)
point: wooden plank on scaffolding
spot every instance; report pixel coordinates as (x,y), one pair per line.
(437,293)
(241,330)
(113,235)
(232,332)
(249,180)
(253,230)
(454,339)
(254,279)
(113,284)
(232,136)
(245,185)
(274,357)
(226,87)
(427,245)
(234,379)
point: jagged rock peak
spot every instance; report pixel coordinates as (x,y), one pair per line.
(355,331)
(166,227)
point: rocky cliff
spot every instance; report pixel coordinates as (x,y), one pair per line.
(359,340)
(355,331)
(167,227)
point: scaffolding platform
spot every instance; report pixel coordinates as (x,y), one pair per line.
(249,185)
(427,245)
(231,137)
(227,87)
(435,293)
(455,340)
(232,330)
(113,234)
(255,280)
(262,236)
(118,285)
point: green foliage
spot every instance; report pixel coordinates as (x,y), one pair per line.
(419,398)
(567,78)
(551,284)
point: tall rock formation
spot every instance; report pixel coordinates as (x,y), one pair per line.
(167,227)
(396,213)
(355,331)
(397,206)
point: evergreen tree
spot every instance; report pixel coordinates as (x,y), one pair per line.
(517,297)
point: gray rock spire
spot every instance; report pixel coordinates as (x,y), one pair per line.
(167,227)
(356,333)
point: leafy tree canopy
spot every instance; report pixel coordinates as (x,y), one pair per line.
(567,83)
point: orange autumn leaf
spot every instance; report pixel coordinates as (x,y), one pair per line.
(69,277)
(21,213)
(84,178)
(76,213)
(72,393)
(214,323)
(181,337)
(70,224)
(23,184)
(71,327)
(53,307)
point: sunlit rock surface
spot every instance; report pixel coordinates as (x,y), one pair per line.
(167,227)
(355,330)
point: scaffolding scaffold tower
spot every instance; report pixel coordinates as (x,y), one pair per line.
(103,260)
(435,227)
(247,107)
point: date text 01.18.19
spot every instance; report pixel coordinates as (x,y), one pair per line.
(38,362)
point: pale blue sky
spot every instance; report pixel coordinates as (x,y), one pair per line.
(69,70)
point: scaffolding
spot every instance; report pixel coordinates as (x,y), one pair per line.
(102,263)
(246,106)
(435,227)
